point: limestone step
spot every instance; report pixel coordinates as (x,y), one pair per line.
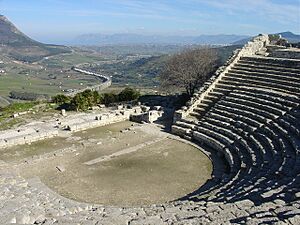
(232,81)
(259,66)
(265,70)
(290,63)
(265,78)
(180,131)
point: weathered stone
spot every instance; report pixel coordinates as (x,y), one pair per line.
(61,168)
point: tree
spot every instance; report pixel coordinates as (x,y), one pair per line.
(78,102)
(86,99)
(109,98)
(128,94)
(189,70)
(61,99)
(97,98)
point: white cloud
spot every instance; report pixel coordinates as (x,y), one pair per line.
(278,12)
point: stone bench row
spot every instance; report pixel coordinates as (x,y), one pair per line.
(229,132)
(290,63)
(265,70)
(181,131)
(244,123)
(288,99)
(284,150)
(279,68)
(217,123)
(228,135)
(231,83)
(279,97)
(245,118)
(222,136)
(254,159)
(267,76)
(216,145)
(252,182)
(210,99)
(239,114)
(268,110)
(260,100)
(260,146)
(226,128)
(282,80)
(279,101)
(264,82)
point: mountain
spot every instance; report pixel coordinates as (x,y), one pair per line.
(117,39)
(219,39)
(16,45)
(291,37)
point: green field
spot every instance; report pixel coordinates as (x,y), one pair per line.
(54,74)
(49,76)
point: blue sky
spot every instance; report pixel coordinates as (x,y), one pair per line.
(48,20)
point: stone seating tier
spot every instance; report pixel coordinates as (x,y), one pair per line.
(269,61)
(248,117)
(291,73)
(284,80)
(238,80)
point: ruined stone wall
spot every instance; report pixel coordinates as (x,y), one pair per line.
(25,136)
(148,117)
(256,46)
(99,120)
(83,121)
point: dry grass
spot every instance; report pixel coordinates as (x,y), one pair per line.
(163,171)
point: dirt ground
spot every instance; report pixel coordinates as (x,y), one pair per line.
(123,164)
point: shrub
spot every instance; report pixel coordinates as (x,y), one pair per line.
(61,99)
(78,102)
(84,100)
(128,94)
(109,98)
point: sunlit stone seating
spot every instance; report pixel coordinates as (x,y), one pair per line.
(252,116)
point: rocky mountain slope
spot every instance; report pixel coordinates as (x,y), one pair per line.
(16,45)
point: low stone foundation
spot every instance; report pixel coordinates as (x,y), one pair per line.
(82,121)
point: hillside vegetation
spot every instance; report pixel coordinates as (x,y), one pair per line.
(144,70)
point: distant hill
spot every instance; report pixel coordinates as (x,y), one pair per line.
(16,45)
(117,39)
(291,37)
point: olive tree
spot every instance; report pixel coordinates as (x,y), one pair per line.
(61,99)
(189,70)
